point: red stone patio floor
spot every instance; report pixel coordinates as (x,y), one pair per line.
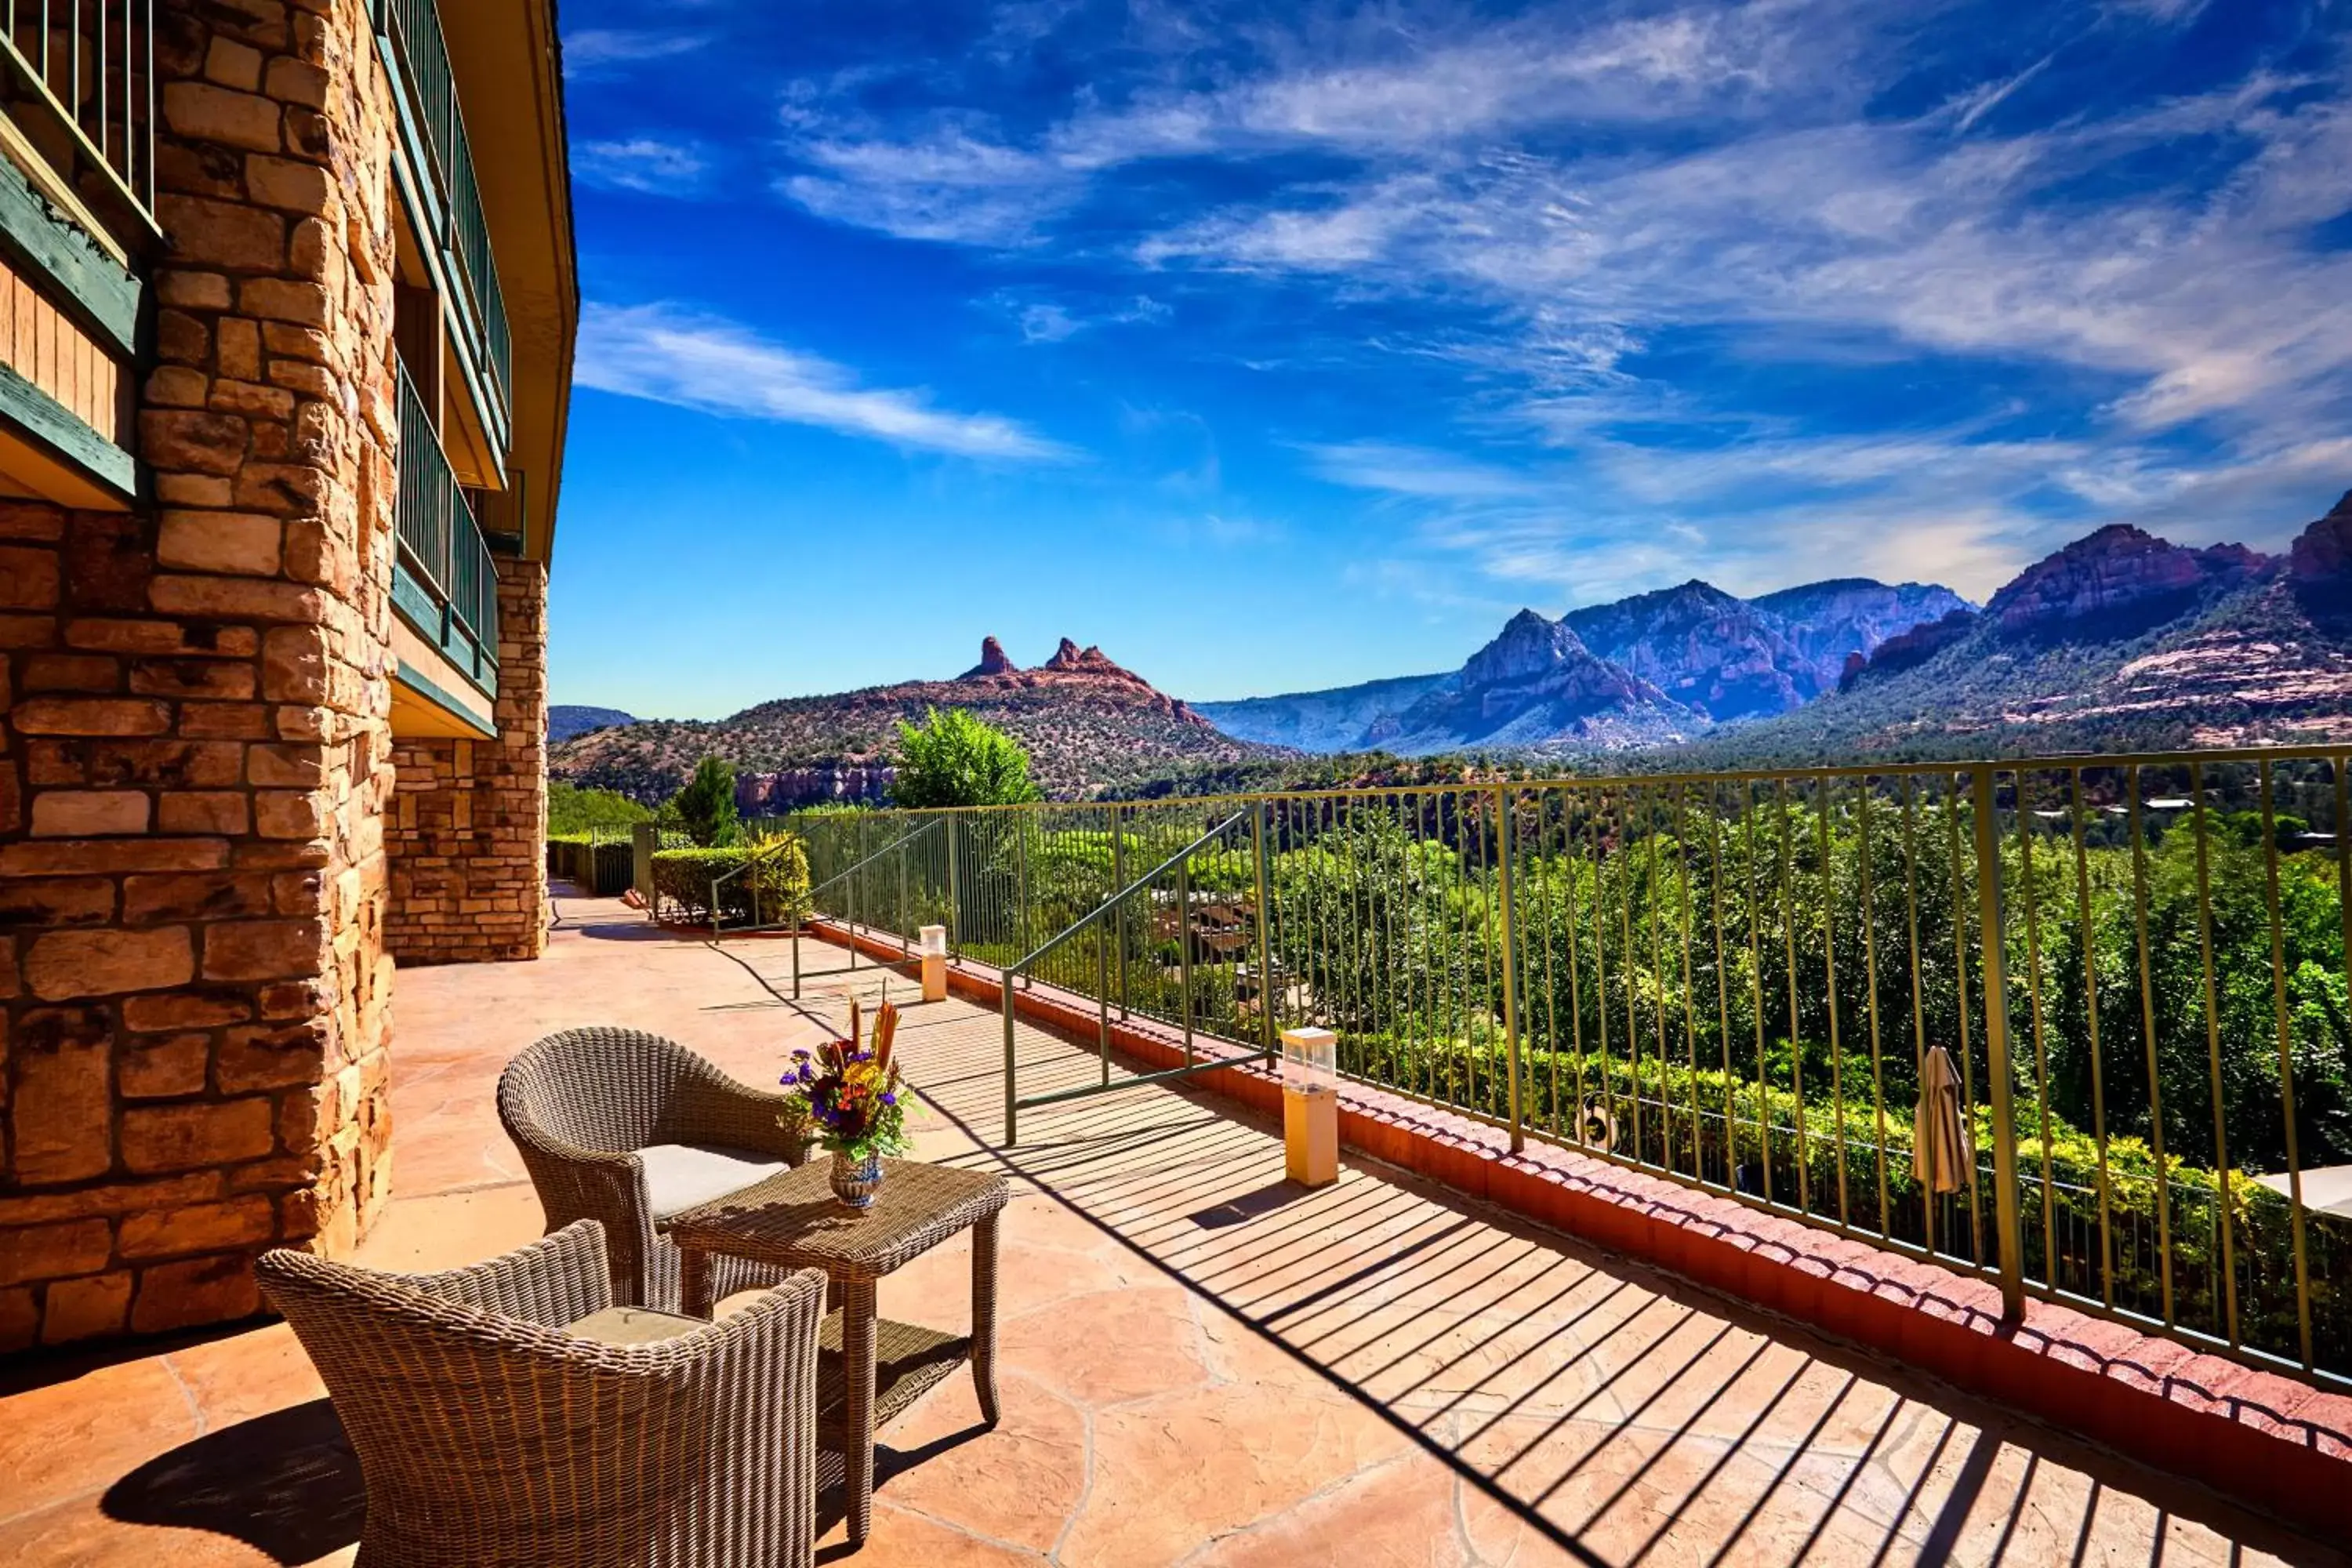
(1201,1364)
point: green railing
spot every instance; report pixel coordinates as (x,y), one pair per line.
(79,79)
(409,36)
(2138,964)
(451,592)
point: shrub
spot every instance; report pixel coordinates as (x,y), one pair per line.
(958,760)
(778,874)
(600,865)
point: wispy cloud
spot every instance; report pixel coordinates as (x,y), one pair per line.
(669,354)
(645,163)
(593,52)
(1414,471)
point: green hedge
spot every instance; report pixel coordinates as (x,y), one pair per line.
(682,879)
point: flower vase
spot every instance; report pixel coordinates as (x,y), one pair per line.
(856,1178)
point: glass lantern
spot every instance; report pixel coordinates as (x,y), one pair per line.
(1310,1062)
(934,941)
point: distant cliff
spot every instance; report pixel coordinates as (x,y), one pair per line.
(1086,720)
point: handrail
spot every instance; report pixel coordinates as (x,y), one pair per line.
(758,858)
(1176,862)
(897,846)
(1092,915)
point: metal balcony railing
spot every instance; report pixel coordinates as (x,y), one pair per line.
(441,545)
(2137,964)
(78,78)
(408,34)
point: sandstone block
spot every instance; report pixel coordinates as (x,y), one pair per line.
(233,65)
(289,185)
(203,111)
(283,300)
(71,672)
(54,1251)
(252,399)
(181,339)
(199,1227)
(225,720)
(158,1139)
(105,857)
(169,764)
(290,814)
(219,542)
(60,1107)
(178,386)
(190,291)
(240,348)
(28,578)
(203,811)
(184,438)
(164,1069)
(55,901)
(85,1309)
(88,814)
(210,680)
(241,597)
(26,631)
(68,963)
(162,637)
(194,1008)
(292,80)
(263,950)
(91,716)
(189,1294)
(253,1057)
(208,896)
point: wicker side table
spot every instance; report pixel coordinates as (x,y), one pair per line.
(868,1369)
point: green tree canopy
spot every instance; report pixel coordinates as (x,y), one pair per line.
(707,805)
(954,759)
(571,809)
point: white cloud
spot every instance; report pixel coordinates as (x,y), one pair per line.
(1414,471)
(643,164)
(608,51)
(671,355)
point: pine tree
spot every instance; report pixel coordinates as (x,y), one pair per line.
(707,803)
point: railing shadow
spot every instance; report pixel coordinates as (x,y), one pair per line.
(1687,1427)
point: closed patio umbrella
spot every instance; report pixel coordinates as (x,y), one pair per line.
(1940,1134)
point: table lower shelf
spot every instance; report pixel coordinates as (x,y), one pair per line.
(908,1363)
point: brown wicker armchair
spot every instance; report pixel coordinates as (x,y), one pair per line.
(489,1437)
(628,1129)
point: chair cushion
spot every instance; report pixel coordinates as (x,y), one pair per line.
(631,1326)
(680,1175)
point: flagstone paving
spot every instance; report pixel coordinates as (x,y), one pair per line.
(1200,1363)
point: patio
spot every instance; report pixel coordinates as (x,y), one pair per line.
(1199,1363)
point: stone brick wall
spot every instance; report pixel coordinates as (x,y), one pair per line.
(195,740)
(468,837)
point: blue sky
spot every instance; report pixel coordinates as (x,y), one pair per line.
(1279,345)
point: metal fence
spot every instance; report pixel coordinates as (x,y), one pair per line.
(419,57)
(78,78)
(2137,963)
(439,540)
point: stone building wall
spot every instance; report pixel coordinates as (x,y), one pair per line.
(467,835)
(195,740)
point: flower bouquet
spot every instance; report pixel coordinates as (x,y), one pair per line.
(853,1096)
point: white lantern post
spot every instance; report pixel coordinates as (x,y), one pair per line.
(1310,1106)
(935,963)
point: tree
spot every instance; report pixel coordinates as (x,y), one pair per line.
(573,810)
(707,805)
(955,759)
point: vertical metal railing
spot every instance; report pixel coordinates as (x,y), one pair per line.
(78,79)
(440,542)
(413,45)
(2138,964)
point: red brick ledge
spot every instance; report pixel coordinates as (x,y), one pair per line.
(2268,1441)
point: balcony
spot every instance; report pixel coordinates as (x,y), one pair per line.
(444,204)
(77,88)
(443,583)
(1196,1356)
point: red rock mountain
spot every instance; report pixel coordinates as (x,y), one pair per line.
(1085,720)
(2119,573)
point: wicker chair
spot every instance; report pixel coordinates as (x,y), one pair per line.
(489,1436)
(627,1128)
